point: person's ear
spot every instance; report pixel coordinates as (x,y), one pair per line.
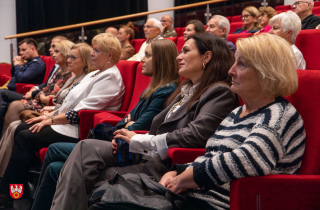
(223,32)
(110,56)
(289,34)
(207,57)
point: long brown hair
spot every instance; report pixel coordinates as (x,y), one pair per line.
(216,70)
(164,64)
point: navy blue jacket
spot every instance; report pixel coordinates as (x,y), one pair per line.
(147,109)
(32,72)
(239,30)
(231,46)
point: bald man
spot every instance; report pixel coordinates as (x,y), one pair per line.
(167,30)
(112,31)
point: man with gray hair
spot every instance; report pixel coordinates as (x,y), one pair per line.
(220,26)
(167,30)
(287,25)
(304,10)
(152,31)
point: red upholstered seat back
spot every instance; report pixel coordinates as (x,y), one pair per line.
(141,83)
(234,37)
(49,65)
(136,44)
(315,10)
(234,26)
(5,68)
(308,42)
(236,18)
(178,30)
(316,4)
(173,39)
(180,43)
(307,102)
(128,73)
(282,8)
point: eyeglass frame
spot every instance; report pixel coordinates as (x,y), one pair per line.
(298,2)
(245,16)
(261,15)
(148,26)
(72,57)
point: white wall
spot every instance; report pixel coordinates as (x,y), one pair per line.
(8,27)
(288,2)
(163,4)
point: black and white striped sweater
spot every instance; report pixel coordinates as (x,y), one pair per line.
(268,141)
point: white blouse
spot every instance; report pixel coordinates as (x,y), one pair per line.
(101,92)
(300,62)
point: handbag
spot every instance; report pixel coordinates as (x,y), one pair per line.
(102,132)
(134,191)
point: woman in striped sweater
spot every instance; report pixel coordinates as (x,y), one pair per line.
(264,136)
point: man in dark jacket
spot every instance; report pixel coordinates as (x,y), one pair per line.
(304,10)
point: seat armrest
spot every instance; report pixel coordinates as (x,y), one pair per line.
(184,155)
(19,86)
(276,192)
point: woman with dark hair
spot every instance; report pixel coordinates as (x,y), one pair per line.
(204,98)
(193,27)
(125,36)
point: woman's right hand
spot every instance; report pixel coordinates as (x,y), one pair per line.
(114,147)
(36,119)
(165,179)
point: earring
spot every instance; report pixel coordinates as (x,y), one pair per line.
(108,61)
(203,66)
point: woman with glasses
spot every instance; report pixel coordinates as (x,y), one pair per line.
(250,21)
(266,13)
(125,36)
(193,27)
(62,125)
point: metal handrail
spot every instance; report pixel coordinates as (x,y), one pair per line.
(79,25)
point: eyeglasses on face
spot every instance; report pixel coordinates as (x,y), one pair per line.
(147,26)
(72,57)
(298,2)
(261,15)
(164,20)
(245,16)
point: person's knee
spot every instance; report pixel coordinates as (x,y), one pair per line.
(54,169)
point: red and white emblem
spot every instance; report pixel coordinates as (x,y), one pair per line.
(16,190)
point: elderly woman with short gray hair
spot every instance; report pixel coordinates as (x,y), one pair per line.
(287,25)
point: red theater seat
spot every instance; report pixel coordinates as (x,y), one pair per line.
(236,18)
(234,26)
(234,37)
(173,39)
(136,44)
(316,10)
(282,8)
(180,43)
(308,42)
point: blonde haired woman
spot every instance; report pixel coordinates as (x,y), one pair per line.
(62,125)
(250,21)
(272,136)
(125,36)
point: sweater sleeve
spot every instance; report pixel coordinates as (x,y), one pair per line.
(257,156)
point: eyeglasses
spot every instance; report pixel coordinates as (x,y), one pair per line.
(72,57)
(298,2)
(261,15)
(164,20)
(245,16)
(147,26)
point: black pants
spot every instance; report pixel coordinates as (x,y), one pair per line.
(6,97)
(23,154)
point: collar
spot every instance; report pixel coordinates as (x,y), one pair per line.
(157,37)
(308,17)
(188,90)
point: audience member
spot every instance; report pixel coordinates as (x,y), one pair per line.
(152,31)
(60,53)
(304,10)
(287,25)
(250,21)
(58,80)
(204,98)
(167,30)
(32,72)
(125,36)
(193,27)
(62,125)
(160,64)
(272,136)
(220,26)
(266,13)
(112,30)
